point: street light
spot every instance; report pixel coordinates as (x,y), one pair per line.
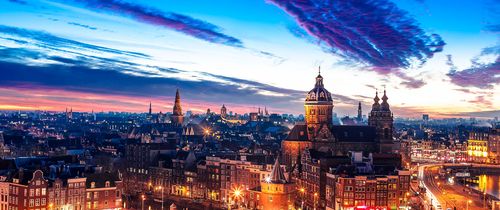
(469,201)
(302,190)
(315,199)
(143,199)
(237,193)
(161,188)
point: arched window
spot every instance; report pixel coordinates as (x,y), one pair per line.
(107,184)
(92,185)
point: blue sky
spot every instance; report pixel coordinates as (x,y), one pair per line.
(438,57)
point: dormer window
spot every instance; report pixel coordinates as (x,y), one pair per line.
(107,184)
(92,185)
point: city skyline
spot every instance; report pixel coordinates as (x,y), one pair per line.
(119,56)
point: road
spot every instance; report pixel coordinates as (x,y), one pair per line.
(442,193)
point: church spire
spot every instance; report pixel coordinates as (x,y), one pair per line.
(277,175)
(150,109)
(319,79)
(177,106)
(360,117)
(177,116)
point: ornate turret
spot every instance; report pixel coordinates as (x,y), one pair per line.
(384,106)
(376,105)
(177,116)
(319,93)
(318,107)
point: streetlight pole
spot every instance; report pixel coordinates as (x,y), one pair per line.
(161,197)
(143,198)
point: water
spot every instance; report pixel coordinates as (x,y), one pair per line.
(491,183)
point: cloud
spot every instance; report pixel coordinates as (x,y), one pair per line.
(178,22)
(46,41)
(82,25)
(481,101)
(479,75)
(408,81)
(372,32)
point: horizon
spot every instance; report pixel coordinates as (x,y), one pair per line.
(120,55)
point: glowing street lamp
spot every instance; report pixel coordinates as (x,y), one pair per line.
(469,201)
(143,198)
(315,199)
(267,179)
(161,188)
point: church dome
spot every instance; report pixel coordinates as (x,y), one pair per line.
(319,93)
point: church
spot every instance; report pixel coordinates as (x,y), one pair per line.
(319,133)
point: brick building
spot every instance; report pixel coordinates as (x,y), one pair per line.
(104,191)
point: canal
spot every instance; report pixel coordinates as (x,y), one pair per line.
(489,182)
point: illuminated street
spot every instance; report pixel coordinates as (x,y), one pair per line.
(448,194)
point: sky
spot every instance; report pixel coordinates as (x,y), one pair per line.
(435,57)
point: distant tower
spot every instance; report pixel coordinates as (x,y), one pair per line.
(382,119)
(177,116)
(223,111)
(265,111)
(150,109)
(69,114)
(360,113)
(318,107)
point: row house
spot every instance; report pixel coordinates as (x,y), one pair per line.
(32,191)
(372,192)
(104,191)
(28,191)
(67,193)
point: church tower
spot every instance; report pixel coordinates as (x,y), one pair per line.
(318,107)
(360,113)
(223,111)
(150,109)
(382,119)
(177,116)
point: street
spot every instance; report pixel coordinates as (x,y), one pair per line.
(445,194)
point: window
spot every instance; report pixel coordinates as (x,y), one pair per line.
(32,202)
(92,185)
(44,191)
(107,184)
(32,192)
